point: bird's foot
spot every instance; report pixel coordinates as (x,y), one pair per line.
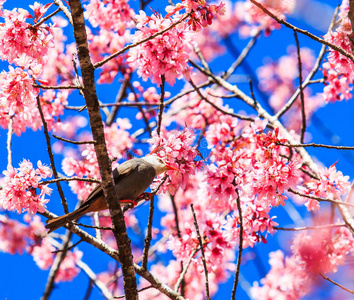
(128,201)
(144,196)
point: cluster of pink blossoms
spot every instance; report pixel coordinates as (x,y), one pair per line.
(19,190)
(110,14)
(22,43)
(252,165)
(165,55)
(338,71)
(331,184)
(322,251)
(219,251)
(201,13)
(254,15)
(103,44)
(318,252)
(175,147)
(150,95)
(16,237)
(27,46)
(52,104)
(285,280)
(195,112)
(16,90)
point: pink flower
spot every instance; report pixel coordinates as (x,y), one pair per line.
(322,251)
(110,14)
(285,280)
(332,184)
(338,70)
(19,192)
(12,236)
(175,147)
(166,54)
(16,89)
(17,38)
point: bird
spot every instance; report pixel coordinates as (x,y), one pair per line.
(131,178)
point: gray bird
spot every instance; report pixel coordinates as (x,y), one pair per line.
(131,178)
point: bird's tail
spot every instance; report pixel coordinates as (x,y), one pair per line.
(55,223)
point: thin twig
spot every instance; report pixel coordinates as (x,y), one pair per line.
(184,93)
(58,87)
(55,266)
(303,113)
(203,253)
(161,106)
(309,77)
(240,248)
(51,157)
(181,280)
(8,142)
(119,98)
(73,142)
(337,284)
(93,227)
(102,62)
(69,179)
(140,290)
(46,18)
(98,283)
(149,226)
(309,227)
(141,110)
(320,199)
(312,36)
(69,248)
(315,145)
(185,269)
(245,118)
(124,104)
(65,10)
(252,93)
(242,56)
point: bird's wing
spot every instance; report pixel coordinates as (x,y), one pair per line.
(119,173)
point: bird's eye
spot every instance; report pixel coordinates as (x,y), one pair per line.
(160,160)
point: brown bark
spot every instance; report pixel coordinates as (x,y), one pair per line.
(89,91)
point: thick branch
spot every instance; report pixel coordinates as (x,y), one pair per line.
(109,190)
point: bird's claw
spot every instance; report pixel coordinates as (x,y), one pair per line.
(144,196)
(128,201)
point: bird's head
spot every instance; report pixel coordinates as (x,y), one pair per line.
(158,163)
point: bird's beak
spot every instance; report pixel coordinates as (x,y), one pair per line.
(168,167)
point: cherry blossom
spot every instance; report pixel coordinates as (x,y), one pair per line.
(338,70)
(177,150)
(331,184)
(286,279)
(19,192)
(112,14)
(322,251)
(166,54)
(16,89)
(18,38)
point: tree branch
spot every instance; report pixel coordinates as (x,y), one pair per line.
(109,190)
